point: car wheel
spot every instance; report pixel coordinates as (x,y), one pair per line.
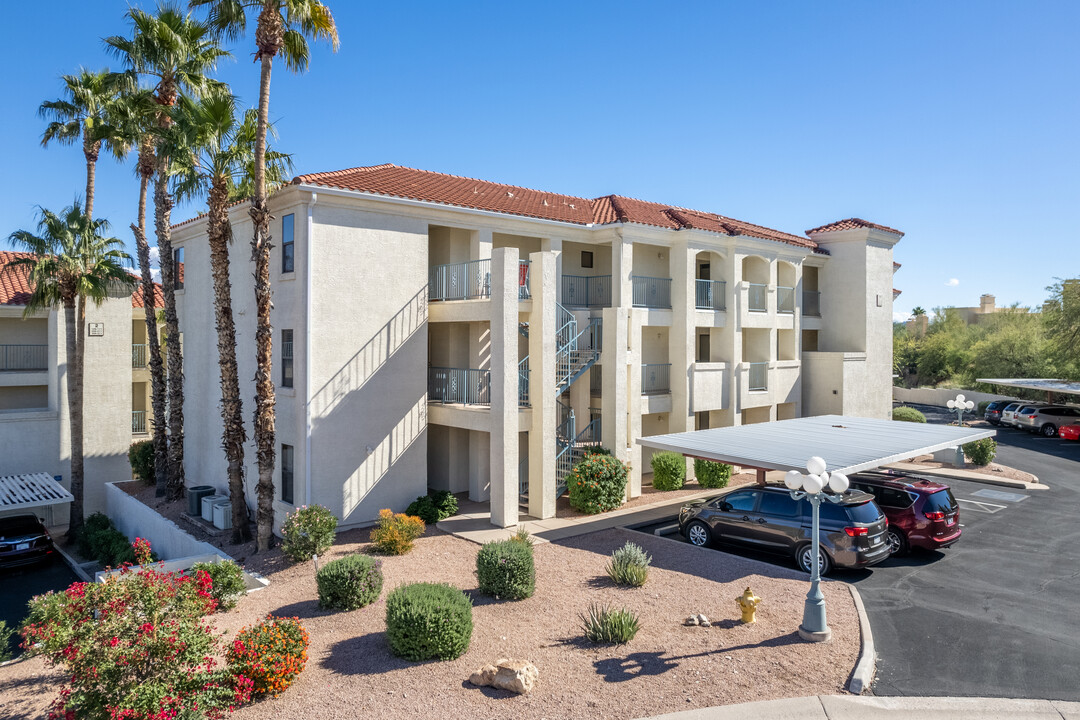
(803,559)
(697,533)
(896,541)
(1048,430)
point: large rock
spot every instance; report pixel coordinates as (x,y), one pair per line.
(517,676)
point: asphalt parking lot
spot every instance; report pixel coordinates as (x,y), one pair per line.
(22,583)
(997,614)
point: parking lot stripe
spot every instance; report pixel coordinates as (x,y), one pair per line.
(981,506)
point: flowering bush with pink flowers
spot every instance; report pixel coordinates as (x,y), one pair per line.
(135,647)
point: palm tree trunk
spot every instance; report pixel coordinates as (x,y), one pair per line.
(153,349)
(90,150)
(233,435)
(162,209)
(73,320)
(264,381)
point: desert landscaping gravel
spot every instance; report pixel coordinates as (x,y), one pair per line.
(667,667)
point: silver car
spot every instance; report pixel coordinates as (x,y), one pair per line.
(1045,419)
(1008,414)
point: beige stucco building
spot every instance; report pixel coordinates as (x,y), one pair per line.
(34,424)
(443,332)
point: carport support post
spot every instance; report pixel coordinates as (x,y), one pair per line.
(814,628)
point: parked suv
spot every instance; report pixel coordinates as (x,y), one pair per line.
(992,414)
(1008,412)
(23,539)
(852,533)
(1045,419)
(921,513)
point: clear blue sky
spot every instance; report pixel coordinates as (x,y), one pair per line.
(953,121)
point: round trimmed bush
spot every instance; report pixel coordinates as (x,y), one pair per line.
(908,414)
(141,457)
(597,484)
(669,470)
(433,508)
(308,530)
(428,620)
(505,569)
(227,582)
(711,474)
(981,452)
(272,652)
(350,582)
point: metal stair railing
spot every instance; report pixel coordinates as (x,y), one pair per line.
(577,355)
(573,452)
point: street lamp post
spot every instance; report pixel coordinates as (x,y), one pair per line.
(812,486)
(961,405)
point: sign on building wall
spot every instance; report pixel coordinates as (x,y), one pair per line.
(96,329)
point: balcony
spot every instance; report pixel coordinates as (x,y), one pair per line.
(138,356)
(710,295)
(655,378)
(811,303)
(469,386)
(470,280)
(138,422)
(758,377)
(651,292)
(24,358)
(580,291)
(757,297)
(785,300)
(596,380)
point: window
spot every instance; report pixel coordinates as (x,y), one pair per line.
(287,358)
(178,269)
(287,243)
(741,502)
(287,474)
(586,258)
(778,504)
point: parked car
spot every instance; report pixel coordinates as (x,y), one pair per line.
(922,513)
(992,414)
(1045,419)
(24,540)
(1008,412)
(1069,432)
(852,533)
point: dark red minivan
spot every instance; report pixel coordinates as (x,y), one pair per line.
(921,513)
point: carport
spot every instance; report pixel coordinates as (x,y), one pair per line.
(1050,387)
(848,444)
(35,490)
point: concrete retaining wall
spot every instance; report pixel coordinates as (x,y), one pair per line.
(166,538)
(941,396)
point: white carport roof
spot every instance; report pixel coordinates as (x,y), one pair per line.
(1054,386)
(20,492)
(847,444)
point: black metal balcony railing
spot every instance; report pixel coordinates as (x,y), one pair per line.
(757,297)
(582,291)
(138,355)
(459,385)
(651,292)
(470,280)
(758,376)
(785,299)
(655,378)
(24,358)
(710,295)
(811,303)
(596,380)
(138,422)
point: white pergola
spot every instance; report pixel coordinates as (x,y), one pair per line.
(848,444)
(22,492)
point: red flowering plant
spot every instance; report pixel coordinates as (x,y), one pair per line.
(271,652)
(597,484)
(134,647)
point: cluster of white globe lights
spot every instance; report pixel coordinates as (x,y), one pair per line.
(817,480)
(961,403)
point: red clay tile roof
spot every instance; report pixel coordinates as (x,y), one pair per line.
(852,224)
(896,293)
(15,285)
(896,266)
(396,181)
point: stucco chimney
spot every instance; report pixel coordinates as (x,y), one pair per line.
(986,304)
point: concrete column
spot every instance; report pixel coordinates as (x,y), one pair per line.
(580,399)
(736,314)
(634,403)
(503,443)
(542,385)
(613,405)
(682,339)
(480,464)
(554,245)
(622,268)
(480,245)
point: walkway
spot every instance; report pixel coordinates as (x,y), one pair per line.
(851,707)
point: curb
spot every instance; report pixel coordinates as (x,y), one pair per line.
(863,674)
(980,478)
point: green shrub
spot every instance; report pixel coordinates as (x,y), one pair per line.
(308,530)
(669,470)
(91,526)
(5,641)
(141,457)
(227,580)
(428,620)
(980,409)
(598,450)
(597,484)
(433,508)
(604,625)
(711,474)
(395,533)
(908,414)
(505,569)
(629,565)
(522,536)
(350,582)
(981,452)
(100,540)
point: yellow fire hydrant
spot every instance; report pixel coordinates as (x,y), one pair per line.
(748,603)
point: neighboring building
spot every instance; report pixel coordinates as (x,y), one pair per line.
(443,332)
(34,429)
(986,308)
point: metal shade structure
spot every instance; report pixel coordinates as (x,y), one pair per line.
(849,444)
(22,492)
(1064,387)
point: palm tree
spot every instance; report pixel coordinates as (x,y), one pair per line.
(917,311)
(71,263)
(176,52)
(213,154)
(135,117)
(84,115)
(283,26)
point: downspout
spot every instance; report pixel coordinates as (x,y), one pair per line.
(307,349)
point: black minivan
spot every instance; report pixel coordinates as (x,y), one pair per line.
(852,532)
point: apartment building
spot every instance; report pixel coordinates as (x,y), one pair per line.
(434,331)
(34,427)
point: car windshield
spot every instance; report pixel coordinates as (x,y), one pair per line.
(941,501)
(1013,406)
(20,525)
